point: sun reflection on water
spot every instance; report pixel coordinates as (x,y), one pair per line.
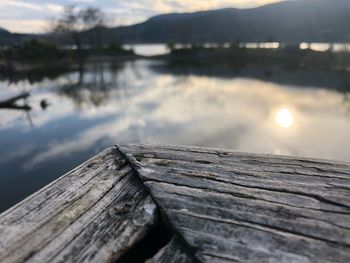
(284,118)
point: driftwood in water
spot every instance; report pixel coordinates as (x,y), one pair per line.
(185,204)
(12,103)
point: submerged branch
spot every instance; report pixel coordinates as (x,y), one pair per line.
(12,103)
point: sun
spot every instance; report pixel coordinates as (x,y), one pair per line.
(284,118)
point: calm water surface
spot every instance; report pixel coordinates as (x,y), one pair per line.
(161,49)
(293,113)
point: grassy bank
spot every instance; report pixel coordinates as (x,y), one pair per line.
(36,55)
(289,56)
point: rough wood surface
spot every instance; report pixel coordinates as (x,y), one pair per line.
(234,207)
(215,206)
(93,214)
(171,253)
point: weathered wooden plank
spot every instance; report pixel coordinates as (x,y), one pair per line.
(92,214)
(171,253)
(221,206)
(234,207)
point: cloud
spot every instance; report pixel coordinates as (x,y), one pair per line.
(32,15)
(20,4)
(55,8)
(25,25)
(83,1)
(166,6)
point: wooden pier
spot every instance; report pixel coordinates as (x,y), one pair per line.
(185,204)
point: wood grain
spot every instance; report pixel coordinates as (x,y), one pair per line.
(171,253)
(92,214)
(235,207)
(215,206)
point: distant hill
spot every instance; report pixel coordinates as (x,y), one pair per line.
(290,21)
(3,30)
(7,37)
(4,33)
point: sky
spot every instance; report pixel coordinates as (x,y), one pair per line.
(33,16)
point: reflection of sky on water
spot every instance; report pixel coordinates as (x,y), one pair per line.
(161,49)
(133,104)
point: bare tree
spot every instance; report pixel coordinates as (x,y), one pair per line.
(74,22)
(93,20)
(92,17)
(69,24)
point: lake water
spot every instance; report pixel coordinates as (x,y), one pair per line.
(149,49)
(161,49)
(298,113)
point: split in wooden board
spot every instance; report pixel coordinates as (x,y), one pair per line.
(150,204)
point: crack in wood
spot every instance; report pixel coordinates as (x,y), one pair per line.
(207,238)
(156,239)
(185,250)
(182,204)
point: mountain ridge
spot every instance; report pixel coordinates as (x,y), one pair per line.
(288,21)
(3,30)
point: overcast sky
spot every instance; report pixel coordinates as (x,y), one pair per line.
(31,16)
